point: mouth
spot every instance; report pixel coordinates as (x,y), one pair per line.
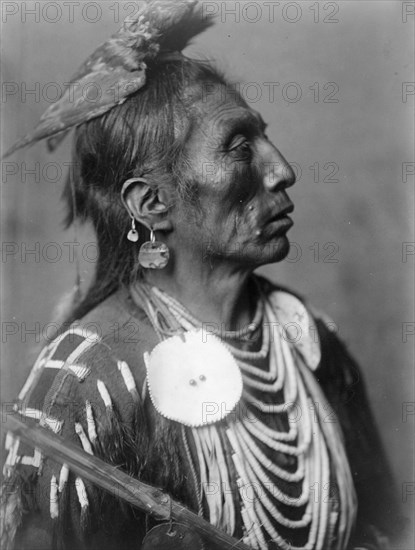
(280,222)
(282,214)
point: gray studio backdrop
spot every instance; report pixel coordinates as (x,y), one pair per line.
(334,80)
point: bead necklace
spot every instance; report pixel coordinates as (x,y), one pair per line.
(281,376)
(241,334)
(303,443)
(267,463)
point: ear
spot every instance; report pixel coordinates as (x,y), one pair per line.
(150,205)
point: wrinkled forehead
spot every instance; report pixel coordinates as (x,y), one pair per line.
(221,108)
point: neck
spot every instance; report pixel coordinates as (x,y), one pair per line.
(213,295)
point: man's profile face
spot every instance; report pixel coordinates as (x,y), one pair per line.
(241,181)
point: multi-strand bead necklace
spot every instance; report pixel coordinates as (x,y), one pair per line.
(278,464)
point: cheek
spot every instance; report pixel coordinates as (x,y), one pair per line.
(248,223)
(241,224)
(238,190)
(248,201)
(225,193)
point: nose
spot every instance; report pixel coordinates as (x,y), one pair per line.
(278,173)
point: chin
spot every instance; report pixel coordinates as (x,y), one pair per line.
(283,249)
(279,250)
(274,251)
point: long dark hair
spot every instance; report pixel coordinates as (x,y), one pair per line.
(143,137)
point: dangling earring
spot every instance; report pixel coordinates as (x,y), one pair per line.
(153,254)
(133,233)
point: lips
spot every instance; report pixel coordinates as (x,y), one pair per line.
(282,213)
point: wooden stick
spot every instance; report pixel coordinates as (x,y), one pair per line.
(146,498)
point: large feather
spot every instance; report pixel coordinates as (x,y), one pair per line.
(117,68)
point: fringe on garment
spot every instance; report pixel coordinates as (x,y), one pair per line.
(16,500)
(77,509)
(163,467)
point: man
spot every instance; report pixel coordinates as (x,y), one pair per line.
(287,444)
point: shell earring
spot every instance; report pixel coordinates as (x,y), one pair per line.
(153,254)
(133,233)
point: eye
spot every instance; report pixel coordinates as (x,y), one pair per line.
(245,146)
(240,145)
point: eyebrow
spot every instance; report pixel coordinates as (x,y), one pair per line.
(249,121)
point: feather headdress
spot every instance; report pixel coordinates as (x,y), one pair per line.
(117,68)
